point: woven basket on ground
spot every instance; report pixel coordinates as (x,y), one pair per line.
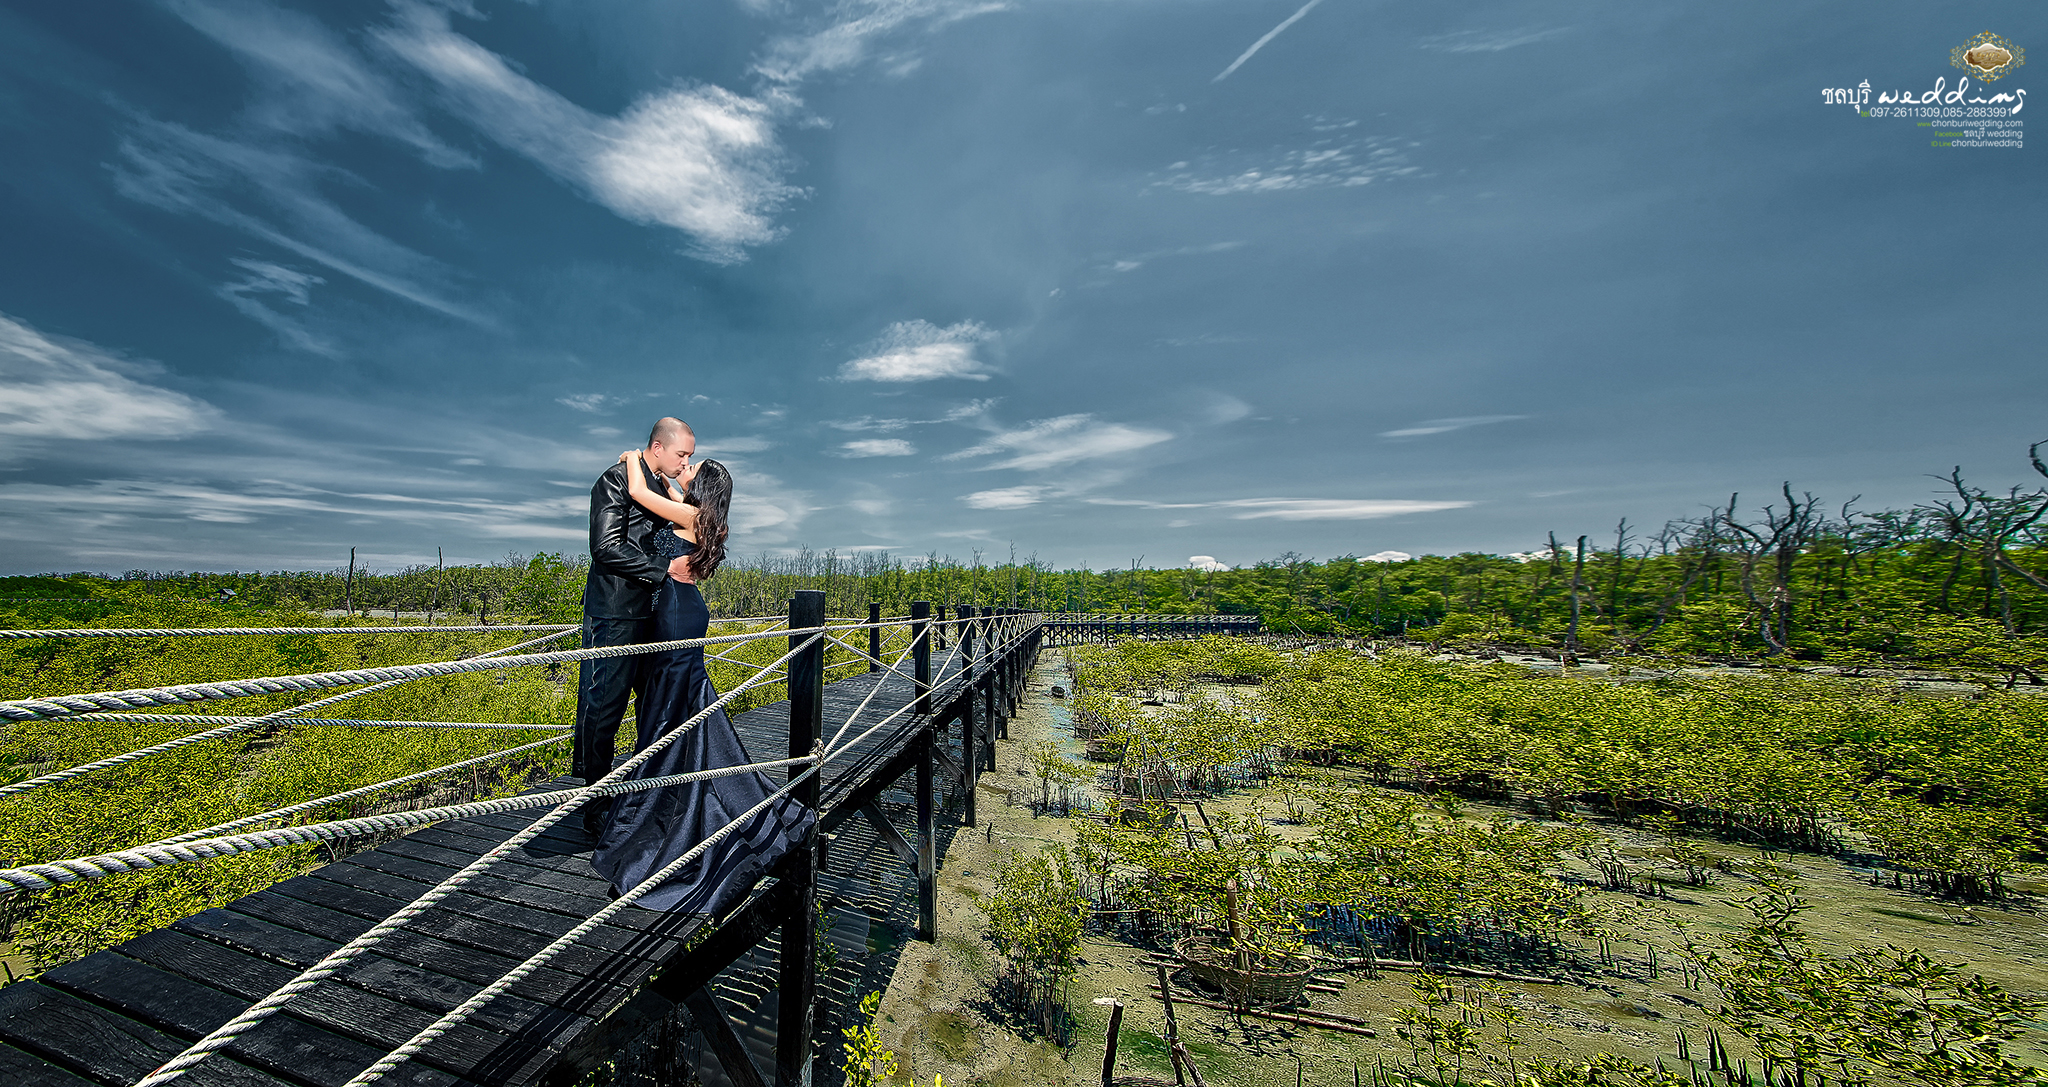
(1267,984)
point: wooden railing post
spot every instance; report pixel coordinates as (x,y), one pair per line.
(797,987)
(874,637)
(927,842)
(921,653)
(939,627)
(991,641)
(970,736)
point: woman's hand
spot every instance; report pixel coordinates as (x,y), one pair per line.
(629,456)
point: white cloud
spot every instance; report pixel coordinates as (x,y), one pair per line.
(1442,426)
(878,447)
(590,402)
(1388,556)
(1005,498)
(1207,563)
(921,351)
(1325,164)
(849,38)
(1489,41)
(1331,509)
(68,389)
(1067,439)
(700,159)
(738,443)
(313,81)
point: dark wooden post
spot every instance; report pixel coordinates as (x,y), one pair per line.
(970,739)
(798,983)
(927,843)
(921,653)
(991,641)
(939,626)
(874,637)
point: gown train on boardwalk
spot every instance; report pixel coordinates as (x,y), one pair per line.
(647,830)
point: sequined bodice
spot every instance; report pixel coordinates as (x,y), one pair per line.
(669,544)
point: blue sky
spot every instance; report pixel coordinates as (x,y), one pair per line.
(1100,280)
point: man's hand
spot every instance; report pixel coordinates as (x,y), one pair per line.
(679,569)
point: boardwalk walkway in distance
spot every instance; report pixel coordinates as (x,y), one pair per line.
(114,1017)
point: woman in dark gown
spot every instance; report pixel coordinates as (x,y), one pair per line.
(647,830)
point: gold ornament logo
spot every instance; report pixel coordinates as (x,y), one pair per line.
(1987,56)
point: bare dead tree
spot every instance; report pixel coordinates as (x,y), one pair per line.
(1767,550)
(1981,525)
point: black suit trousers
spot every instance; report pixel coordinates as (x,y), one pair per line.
(601,690)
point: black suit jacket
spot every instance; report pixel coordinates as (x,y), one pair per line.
(623,570)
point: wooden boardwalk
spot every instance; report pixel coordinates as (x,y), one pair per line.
(114,1016)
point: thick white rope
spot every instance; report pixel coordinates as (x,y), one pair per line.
(214,632)
(294,809)
(211,632)
(352,722)
(484,661)
(30,709)
(227,1032)
(43,877)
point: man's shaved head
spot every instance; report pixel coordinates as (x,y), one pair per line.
(668,429)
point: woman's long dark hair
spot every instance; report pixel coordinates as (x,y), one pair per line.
(711,492)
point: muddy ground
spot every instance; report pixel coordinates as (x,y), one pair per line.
(940,1017)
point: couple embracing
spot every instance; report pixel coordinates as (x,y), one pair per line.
(657,528)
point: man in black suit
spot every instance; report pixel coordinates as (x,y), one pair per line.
(617,597)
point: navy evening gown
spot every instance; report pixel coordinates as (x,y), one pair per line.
(647,830)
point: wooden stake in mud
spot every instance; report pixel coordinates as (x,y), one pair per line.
(1173,1046)
(1116,1022)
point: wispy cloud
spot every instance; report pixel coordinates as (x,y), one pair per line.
(1444,426)
(65,389)
(1005,498)
(921,351)
(1261,43)
(1490,41)
(313,81)
(852,33)
(1326,164)
(171,167)
(877,447)
(296,287)
(1067,439)
(1297,509)
(700,159)
(590,402)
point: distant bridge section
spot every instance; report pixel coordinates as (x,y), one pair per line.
(1104,628)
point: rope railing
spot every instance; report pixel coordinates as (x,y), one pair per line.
(230,729)
(216,632)
(352,722)
(1000,633)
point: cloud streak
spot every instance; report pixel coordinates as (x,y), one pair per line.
(1060,441)
(1445,426)
(1261,43)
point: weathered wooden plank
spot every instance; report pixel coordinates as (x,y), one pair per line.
(102,1045)
(21,1068)
(285,1046)
(369,1017)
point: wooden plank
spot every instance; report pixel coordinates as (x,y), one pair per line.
(104,1046)
(20,1068)
(283,1045)
(359,1013)
(457,916)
